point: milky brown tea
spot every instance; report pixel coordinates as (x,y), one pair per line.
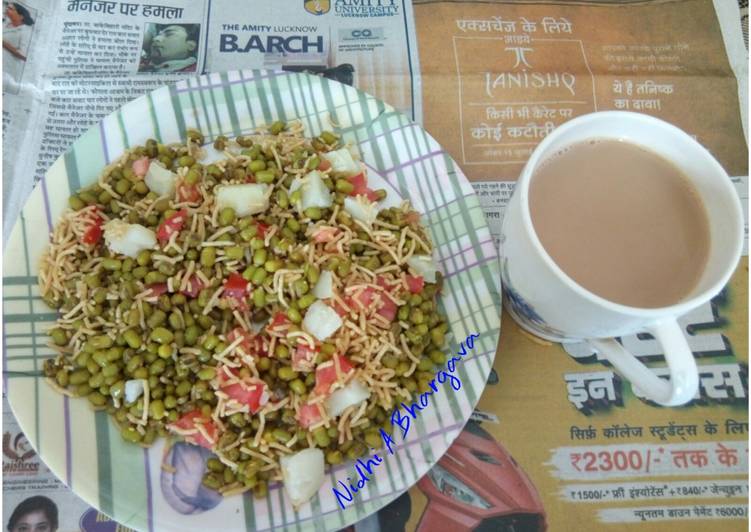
(621,221)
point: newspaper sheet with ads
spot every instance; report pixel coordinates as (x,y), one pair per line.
(558,439)
(509,72)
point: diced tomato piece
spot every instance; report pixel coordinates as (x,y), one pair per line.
(325,234)
(360,182)
(260,347)
(365,298)
(388,308)
(326,373)
(189,193)
(221,373)
(380,280)
(279,321)
(189,421)
(253,394)
(415,283)
(194,287)
(238,332)
(171,225)
(324,165)
(140,166)
(303,359)
(157,289)
(252,344)
(262,229)
(339,308)
(247,338)
(309,414)
(235,286)
(94,232)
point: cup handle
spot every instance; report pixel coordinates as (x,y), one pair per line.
(684,377)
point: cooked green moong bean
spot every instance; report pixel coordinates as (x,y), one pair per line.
(277,127)
(328,137)
(298,386)
(286,373)
(227,216)
(235,252)
(314,213)
(306,300)
(265,176)
(321,437)
(207,373)
(131,434)
(162,335)
(58,336)
(344,186)
(208,256)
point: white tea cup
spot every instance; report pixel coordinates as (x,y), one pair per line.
(546,302)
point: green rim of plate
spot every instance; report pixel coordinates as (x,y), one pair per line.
(84,448)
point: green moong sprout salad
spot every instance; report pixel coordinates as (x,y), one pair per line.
(263,305)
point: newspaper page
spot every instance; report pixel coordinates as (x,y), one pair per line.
(559,441)
(86,58)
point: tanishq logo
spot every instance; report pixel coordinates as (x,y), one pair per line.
(366,8)
(317,7)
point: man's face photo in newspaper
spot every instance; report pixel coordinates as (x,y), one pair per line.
(171,42)
(170,48)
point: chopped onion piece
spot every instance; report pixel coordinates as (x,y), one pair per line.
(342,162)
(353,393)
(128,239)
(361,209)
(250,198)
(160,180)
(133,390)
(302,473)
(423,265)
(321,320)
(313,191)
(324,288)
